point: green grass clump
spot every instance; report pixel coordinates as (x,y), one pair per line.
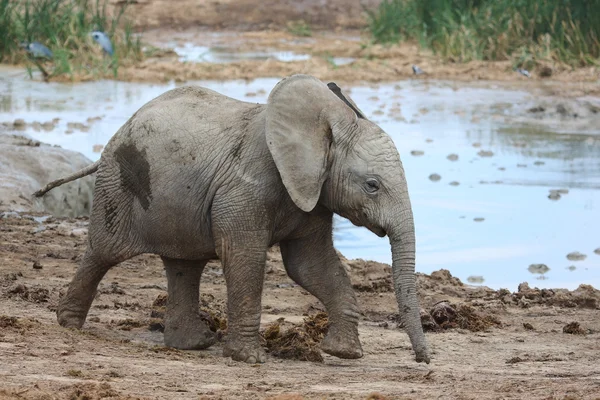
(299,28)
(524,31)
(64,26)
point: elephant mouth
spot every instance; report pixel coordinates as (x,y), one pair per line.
(373,228)
(376,230)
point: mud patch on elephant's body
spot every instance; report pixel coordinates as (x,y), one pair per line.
(134,172)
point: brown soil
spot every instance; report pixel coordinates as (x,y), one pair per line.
(373,63)
(247,14)
(487,344)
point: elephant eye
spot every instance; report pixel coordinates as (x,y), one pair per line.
(372,185)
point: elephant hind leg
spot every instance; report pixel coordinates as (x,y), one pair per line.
(75,304)
(184,329)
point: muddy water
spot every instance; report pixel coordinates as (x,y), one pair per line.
(189,52)
(486,215)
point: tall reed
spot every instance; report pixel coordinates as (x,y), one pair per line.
(521,30)
(64,27)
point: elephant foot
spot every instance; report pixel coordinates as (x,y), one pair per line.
(251,353)
(342,344)
(69,318)
(188,334)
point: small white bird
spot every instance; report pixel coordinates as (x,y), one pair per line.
(417,70)
(523,72)
(103,40)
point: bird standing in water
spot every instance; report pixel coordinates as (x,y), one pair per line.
(103,40)
(523,72)
(417,70)
(36,52)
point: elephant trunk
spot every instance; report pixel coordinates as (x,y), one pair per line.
(402,241)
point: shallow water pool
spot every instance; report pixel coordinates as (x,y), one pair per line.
(487,218)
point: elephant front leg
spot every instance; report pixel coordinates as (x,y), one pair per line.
(312,262)
(184,329)
(243,255)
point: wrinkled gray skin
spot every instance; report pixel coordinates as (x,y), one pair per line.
(195,175)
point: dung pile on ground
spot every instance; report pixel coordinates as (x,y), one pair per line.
(20,324)
(210,310)
(34,295)
(445,315)
(574,328)
(299,342)
(8,322)
(585,296)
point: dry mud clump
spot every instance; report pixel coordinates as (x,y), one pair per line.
(585,296)
(299,342)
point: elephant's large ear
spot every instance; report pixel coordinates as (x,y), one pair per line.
(301,114)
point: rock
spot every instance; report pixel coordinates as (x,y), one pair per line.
(528,326)
(536,109)
(434,177)
(48,126)
(78,126)
(561,109)
(37,265)
(576,256)
(27,165)
(571,268)
(485,153)
(417,153)
(475,279)
(478,219)
(454,183)
(19,123)
(538,268)
(452,157)
(538,163)
(597,251)
(554,195)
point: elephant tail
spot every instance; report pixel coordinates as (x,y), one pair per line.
(90,169)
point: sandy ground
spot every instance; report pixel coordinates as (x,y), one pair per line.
(499,345)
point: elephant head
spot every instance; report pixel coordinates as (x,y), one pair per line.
(327,152)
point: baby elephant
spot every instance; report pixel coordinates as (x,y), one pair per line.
(194,175)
